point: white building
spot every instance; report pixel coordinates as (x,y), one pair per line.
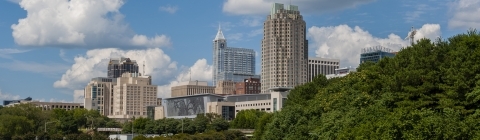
(341,72)
(323,66)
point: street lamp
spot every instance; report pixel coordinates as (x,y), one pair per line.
(46,125)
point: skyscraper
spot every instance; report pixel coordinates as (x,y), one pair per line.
(284,48)
(231,64)
(118,66)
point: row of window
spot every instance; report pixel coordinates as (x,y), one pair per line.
(252,104)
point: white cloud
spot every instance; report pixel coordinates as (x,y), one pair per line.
(5,53)
(345,43)
(78,96)
(35,67)
(95,62)
(170,9)
(465,14)
(262,7)
(78,23)
(6,96)
(252,21)
(200,71)
(234,37)
(256,32)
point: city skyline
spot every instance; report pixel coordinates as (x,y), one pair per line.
(55,61)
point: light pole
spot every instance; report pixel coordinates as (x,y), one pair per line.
(133,120)
(46,125)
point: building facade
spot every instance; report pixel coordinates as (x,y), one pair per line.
(225,87)
(48,105)
(374,54)
(341,72)
(191,88)
(321,66)
(99,95)
(248,86)
(231,63)
(284,48)
(118,66)
(133,94)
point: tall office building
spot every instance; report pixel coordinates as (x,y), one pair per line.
(284,48)
(374,54)
(133,94)
(234,64)
(323,66)
(99,95)
(118,66)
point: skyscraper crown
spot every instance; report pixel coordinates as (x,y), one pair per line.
(219,34)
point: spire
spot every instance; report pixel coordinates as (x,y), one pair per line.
(219,34)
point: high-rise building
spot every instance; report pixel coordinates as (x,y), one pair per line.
(374,54)
(323,66)
(191,88)
(118,66)
(231,63)
(133,93)
(284,48)
(99,95)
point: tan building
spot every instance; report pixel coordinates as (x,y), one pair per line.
(225,87)
(284,48)
(99,95)
(50,105)
(133,93)
(248,86)
(192,88)
(159,114)
(225,109)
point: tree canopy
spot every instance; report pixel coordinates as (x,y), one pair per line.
(430,90)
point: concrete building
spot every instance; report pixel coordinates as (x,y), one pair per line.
(118,66)
(341,72)
(188,106)
(99,95)
(191,88)
(48,105)
(225,87)
(284,48)
(374,54)
(133,94)
(227,106)
(248,86)
(231,63)
(7,102)
(323,66)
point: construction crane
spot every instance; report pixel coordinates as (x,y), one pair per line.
(411,35)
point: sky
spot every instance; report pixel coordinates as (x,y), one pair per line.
(50,49)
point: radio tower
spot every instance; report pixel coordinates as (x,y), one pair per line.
(143,67)
(411,36)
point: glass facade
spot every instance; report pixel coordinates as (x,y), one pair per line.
(151,112)
(231,63)
(274,104)
(228,112)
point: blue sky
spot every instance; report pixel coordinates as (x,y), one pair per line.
(50,49)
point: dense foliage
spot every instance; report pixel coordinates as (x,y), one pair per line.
(26,121)
(430,90)
(209,135)
(202,123)
(247,119)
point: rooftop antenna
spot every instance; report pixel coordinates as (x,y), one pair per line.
(190,73)
(143,67)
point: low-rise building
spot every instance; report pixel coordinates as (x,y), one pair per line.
(48,105)
(225,87)
(321,66)
(191,88)
(341,72)
(226,106)
(248,86)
